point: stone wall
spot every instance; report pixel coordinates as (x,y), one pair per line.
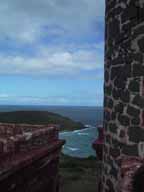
(15,138)
(29,158)
(124,86)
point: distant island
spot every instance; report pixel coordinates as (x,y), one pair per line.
(40,117)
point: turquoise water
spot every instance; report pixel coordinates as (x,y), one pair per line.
(79,143)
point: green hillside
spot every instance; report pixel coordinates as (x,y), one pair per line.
(40,117)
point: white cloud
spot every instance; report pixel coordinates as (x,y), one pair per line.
(24,20)
(34,99)
(51,60)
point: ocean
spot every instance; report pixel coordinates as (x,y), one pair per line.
(78,143)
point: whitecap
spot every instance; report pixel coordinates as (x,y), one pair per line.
(72,148)
(76,131)
(87,126)
(84,134)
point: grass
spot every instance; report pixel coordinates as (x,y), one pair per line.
(79,174)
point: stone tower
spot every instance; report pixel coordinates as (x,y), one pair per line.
(124,87)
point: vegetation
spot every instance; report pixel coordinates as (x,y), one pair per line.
(79,174)
(40,117)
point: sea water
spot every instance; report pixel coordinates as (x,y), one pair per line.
(79,143)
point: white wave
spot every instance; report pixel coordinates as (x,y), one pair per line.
(87,126)
(65,133)
(76,131)
(85,134)
(72,148)
(82,130)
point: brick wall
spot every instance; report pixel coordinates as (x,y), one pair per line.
(29,157)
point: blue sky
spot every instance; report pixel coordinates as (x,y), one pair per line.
(51,52)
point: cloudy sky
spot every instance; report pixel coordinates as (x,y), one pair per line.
(51,52)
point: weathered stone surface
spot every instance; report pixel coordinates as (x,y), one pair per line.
(138,31)
(105,148)
(117,144)
(114,28)
(117,61)
(114,152)
(133,111)
(122,134)
(119,108)
(105,170)
(129,13)
(130,150)
(127,71)
(133,3)
(136,134)
(138,70)
(135,121)
(106,76)
(142,118)
(141,44)
(110,185)
(124,120)
(120,83)
(126,28)
(31,164)
(116,93)
(131,171)
(141,13)
(134,86)
(115,71)
(106,126)
(113,128)
(125,96)
(113,115)
(138,101)
(113,172)
(124,65)
(138,57)
(110,5)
